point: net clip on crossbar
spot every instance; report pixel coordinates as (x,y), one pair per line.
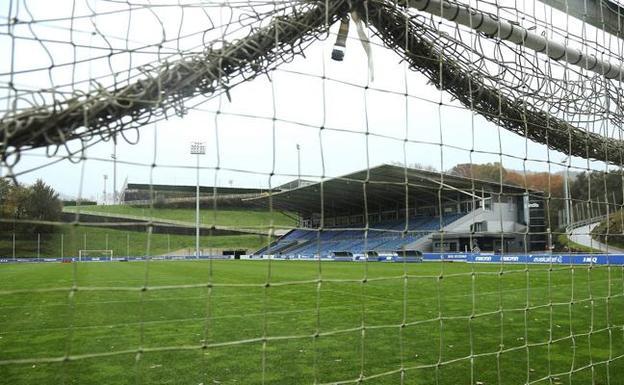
(341,40)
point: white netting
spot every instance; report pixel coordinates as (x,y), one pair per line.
(485,131)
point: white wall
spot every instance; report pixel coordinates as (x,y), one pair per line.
(501,217)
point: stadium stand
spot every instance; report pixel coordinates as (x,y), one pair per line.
(444,213)
(387,236)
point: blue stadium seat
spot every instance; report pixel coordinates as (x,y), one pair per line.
(384,236)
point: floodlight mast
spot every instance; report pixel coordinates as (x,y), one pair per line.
(104,200)
(114,158)
(197,148)
(298,165)
(566,191)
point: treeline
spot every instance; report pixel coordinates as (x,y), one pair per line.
(598,187)
(550,184)
(79,203)
(20,205)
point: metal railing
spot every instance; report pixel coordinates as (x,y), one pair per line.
(584,222)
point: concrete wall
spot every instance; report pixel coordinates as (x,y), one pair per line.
(501,217)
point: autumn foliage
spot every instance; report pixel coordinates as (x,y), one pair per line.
(550,184)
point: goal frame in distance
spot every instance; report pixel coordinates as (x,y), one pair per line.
(101,252)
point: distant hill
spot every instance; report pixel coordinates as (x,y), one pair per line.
(243,219)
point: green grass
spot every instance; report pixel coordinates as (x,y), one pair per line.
(122,242)
(517,311)
(242,219)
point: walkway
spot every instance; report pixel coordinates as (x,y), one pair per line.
(582,236)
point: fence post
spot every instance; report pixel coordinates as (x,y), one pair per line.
(84,241)
(62,253)
(590,208)
(13,245)
(38,245)
(127,244)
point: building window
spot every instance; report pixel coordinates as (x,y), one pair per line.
(478,227)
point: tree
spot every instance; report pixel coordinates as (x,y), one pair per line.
(14,206)
(5,187)
(550,184)
(43,203)
(593,191)
(491,172)
(416,165)
(18,203)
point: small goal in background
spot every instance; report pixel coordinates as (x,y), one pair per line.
(95,255)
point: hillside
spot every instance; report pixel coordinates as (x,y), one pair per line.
(125,242)
(611,231)
(122,242)
(232,218)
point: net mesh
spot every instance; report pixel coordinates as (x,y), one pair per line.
(513,97)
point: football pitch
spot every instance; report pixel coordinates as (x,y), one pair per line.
(291,322)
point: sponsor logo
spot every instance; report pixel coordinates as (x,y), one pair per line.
(590,259)
(510,259)
(547,259)
(483,259)
(534,205)
(455,256)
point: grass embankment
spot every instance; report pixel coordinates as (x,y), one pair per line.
(241,219)
(68,239)
(611,232)
(445,324)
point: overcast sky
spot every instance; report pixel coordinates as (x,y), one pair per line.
(246,149)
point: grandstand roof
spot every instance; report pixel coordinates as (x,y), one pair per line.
(384,186)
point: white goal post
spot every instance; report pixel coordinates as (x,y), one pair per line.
(95,255)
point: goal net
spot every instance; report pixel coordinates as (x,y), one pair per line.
(303,156)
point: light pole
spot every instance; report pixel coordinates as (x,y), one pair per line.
(197,148)
(104,192)
(566,193)
(298,165)
(114,157)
